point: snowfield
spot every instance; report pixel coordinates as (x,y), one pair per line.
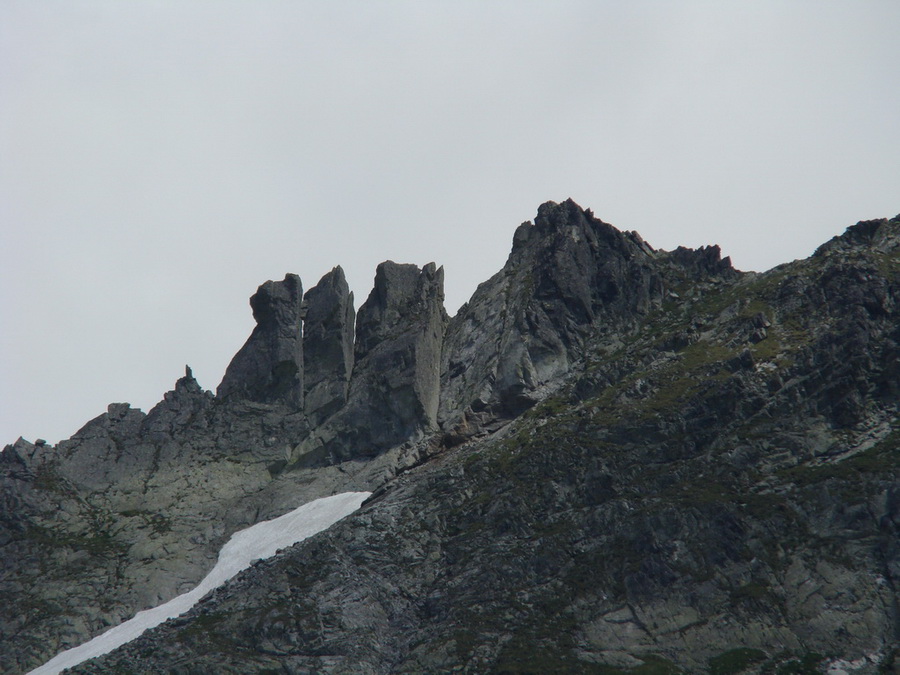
(253,543)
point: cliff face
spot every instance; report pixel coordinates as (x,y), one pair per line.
(328,345)
(569,279)
(613,459)
(269,367)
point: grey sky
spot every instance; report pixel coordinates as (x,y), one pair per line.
(159,160)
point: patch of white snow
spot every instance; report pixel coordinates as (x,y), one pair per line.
(253,543)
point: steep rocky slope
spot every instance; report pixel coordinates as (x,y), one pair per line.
(612,459)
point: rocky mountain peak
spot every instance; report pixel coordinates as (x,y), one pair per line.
(881,235)
(401,292)
(328,331)
(276,302)
(613,459)
(269,367)
(179,407)
(706,261)
(394,387)
(187,384)
(554,223)
(569,274)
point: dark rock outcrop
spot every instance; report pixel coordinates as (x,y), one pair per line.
(395,385)
(328,331)
(179,409)
(876,234)
(99,455)
(704,262)
(569,277)
(269,367)
(399,338)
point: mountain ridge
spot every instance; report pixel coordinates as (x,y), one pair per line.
(641,390)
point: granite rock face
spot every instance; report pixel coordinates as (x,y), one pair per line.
(395,384)
(614,459)
(526,325)
(399,338)
(328,333)
(569,277)
(269,367)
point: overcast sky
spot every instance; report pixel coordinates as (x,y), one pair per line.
(160,160)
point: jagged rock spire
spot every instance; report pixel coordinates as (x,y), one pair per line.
(399,335)
(328,345)
(880,234)
(567,274)
(395,384)
(269,367)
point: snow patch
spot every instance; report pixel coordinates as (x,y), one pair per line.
(253,543)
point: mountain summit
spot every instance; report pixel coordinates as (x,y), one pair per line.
(613,459)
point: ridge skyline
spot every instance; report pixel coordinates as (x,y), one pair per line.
(147,400)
